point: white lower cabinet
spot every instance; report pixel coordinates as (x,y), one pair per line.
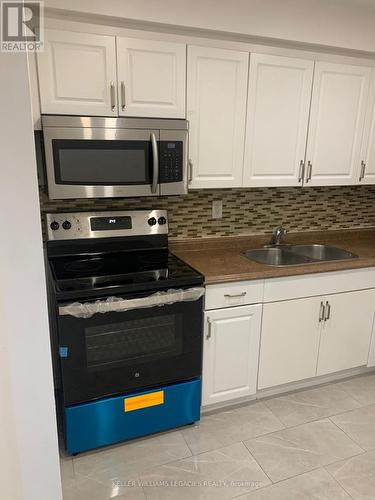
(230,353)
(290,341)
(346,335)
(308,337)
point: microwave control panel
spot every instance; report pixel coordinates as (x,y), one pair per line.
(170,161)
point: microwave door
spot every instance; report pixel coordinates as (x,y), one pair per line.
(173,175)
(101,162)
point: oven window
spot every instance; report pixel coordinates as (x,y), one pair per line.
(134,341)
(94,162)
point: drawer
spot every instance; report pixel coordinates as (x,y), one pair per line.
(233,294)
(296,287)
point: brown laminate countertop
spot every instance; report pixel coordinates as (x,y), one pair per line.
(220,259)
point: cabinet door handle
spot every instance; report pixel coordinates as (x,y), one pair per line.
(190,164)
(309,171)
(113,99)
(209,321)
(321,312)
(328,311)
(363,168)
(301,171)
(236,295)
(123,103)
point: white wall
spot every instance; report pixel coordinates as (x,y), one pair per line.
(28,439)
(339,23)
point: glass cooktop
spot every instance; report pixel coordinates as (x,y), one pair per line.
(132,270)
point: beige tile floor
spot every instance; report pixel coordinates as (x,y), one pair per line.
(317,444)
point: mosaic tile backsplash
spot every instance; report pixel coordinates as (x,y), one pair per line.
(246,211)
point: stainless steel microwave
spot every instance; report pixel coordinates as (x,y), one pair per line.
(97,157)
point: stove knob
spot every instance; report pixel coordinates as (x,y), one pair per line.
(66,225)
(162,220)
(54,225)
(152,221)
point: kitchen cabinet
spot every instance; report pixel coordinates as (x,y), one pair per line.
(314,336)
(289,341)
(216,109)
(77,74)
(338,107)
(367,171)
(86,74)
(151,78)
(277,120)
(346,334)
(230,353)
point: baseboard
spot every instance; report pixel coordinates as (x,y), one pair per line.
(286,388)
(312,382)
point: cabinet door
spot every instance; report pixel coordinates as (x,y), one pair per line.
(366,174)
(216,108)
(346,335)
(277,120)
(290,341)
(338,108)
(77,74)
(230,353)
(151,78)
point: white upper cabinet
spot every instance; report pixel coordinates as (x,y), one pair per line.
(366,173)
(277,120)
(216,109)
(77,74)
(338,107)
(151,78)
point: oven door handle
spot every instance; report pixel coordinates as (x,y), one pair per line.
(155,163)
(117,304)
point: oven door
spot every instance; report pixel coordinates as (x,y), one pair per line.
(116,351)
(101,162)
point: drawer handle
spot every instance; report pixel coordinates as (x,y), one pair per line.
(236,295)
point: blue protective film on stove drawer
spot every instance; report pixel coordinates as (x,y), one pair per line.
(103,422)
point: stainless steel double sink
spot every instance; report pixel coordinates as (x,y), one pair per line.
(294,255)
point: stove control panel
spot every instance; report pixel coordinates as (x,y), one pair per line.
(81,225)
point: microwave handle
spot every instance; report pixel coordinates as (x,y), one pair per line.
(155,163)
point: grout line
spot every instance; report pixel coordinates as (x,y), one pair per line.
(260,466)
(351,439)
(340,485)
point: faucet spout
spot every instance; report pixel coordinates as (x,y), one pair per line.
(278,236)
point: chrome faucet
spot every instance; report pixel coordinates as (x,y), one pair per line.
(278,236)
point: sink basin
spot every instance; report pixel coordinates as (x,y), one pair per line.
(276,257)
(321,252)
(294,255)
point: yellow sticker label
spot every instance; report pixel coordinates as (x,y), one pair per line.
(144,401)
